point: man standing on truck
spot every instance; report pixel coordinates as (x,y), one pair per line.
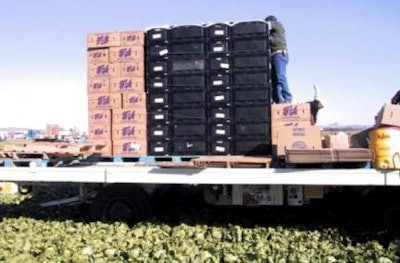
(280,58)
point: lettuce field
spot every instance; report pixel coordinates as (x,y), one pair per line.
(30,233)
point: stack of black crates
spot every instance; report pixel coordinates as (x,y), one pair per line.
(251,87)
(208,89)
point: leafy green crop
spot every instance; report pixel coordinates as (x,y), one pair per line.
(28,236)
(30,240)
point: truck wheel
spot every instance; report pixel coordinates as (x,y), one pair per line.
(124,203)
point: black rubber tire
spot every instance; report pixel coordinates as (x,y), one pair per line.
(121,202)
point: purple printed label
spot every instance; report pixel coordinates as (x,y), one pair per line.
(126,147)
(102,69)
(98,116)
(98,132)
(133,100)
(128,115)
(97,54)
(290,111)
(125,53)
(125,84)
(97,85)
(102,39)
(132,38)
(103,101)
(128,131)
(131,68)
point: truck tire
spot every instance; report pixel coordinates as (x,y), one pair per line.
(121,202)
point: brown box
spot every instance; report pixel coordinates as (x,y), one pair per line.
(134,100)
(129,131)
(100,117)
(129,147)
(388,115)
(98,85)
(104,70)
(129,116)
(290,112)
(105,101)
(339,140)
(275,126)
(102,147)
(99,132)
(100,55)
(127,84)
(103,39)
(297,137)
(126,54)
(132,69)
(132,37)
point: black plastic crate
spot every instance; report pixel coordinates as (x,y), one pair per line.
(188,97)
(251,62)
(218,48)
(219,63)
(218,31)
(156,84)
(187,48)
(157,52)
(220,97)
(158,100)
(220,114)
(159,148)
(158,132)
(251,113)
(253,129)
(157,67)
(157,35)
(186,32)
(187,64)
(220,147)
(251,79)
(219,81)
(252,146)
(221,130)
(251,45)
(190,146)
(189,129)
(249,28)
(155,116)
(189,114)
(252,96)
(188,80)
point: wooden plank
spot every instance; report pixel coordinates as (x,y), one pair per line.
(231,161)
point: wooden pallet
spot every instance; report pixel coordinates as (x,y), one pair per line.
(232,161)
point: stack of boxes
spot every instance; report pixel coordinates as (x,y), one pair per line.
(219,82)
(251,88)
(116,92)
(188,90)
(208,89)
(293,128)
(157,49)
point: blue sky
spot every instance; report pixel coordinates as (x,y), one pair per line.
(349,48)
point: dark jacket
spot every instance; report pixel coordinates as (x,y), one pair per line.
(277,37)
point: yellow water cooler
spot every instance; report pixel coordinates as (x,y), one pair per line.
(385,147)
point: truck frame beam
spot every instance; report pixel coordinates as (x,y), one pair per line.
(194,176)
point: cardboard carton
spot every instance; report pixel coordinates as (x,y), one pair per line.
(388,115)
(297,137)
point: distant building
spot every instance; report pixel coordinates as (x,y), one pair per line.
(53,130)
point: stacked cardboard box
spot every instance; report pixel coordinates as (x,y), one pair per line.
(291,128)
(116,92)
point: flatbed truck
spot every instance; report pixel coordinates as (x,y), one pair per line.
(127,190)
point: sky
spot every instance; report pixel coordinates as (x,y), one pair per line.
(349,48)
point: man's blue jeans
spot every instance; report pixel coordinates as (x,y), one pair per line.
(280,87)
